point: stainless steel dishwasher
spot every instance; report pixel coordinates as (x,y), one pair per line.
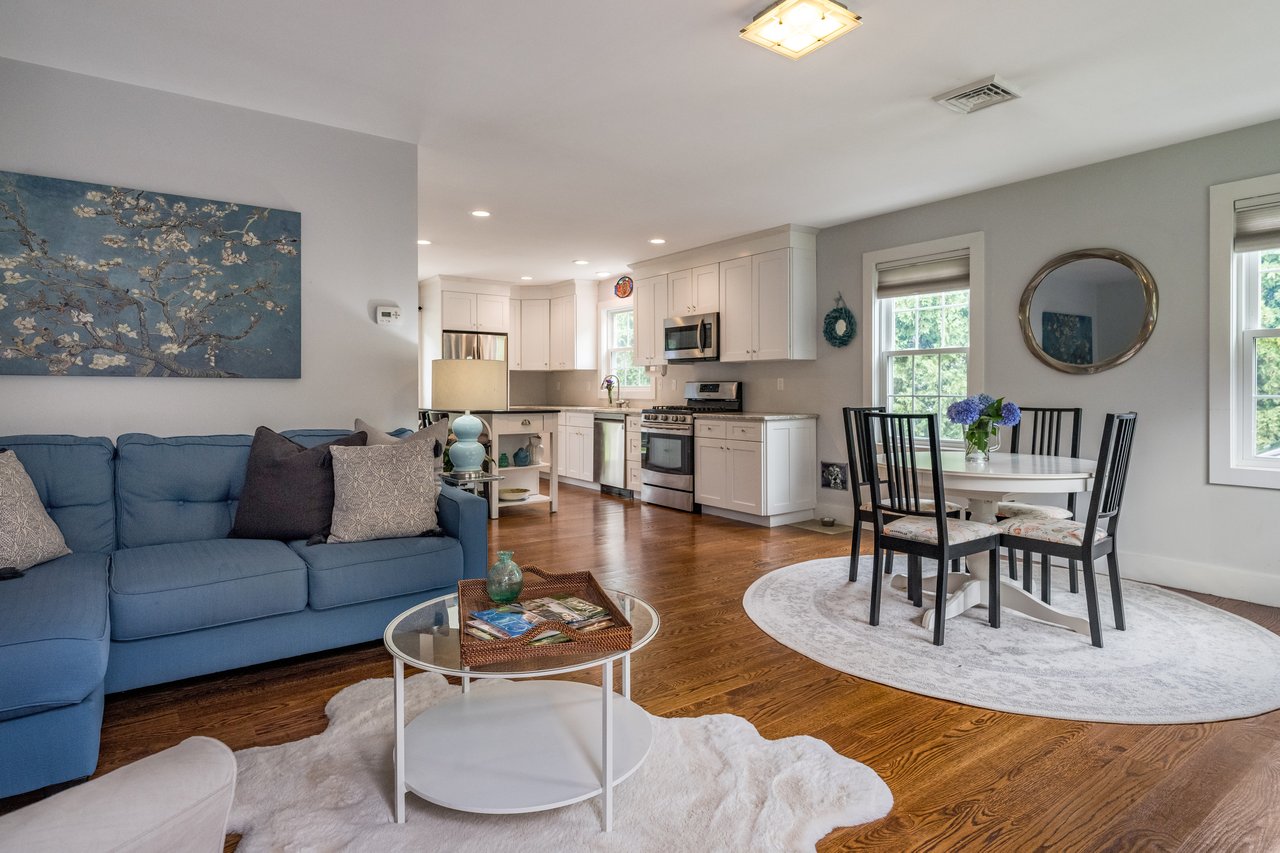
(610,464)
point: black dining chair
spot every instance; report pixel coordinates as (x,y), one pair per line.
(861,474)
(1094,537)
(908,522)
(1048,432)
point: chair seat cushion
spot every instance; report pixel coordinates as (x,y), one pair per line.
(184,586)
(925,505)
(54,634)
(922,529)
(349,573)
(1008,509)
(1061,531)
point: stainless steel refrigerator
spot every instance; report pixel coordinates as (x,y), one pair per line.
(479,345)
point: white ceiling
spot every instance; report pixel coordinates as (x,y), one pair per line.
(589,126)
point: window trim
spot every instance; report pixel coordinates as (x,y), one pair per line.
(622,392)
(873,371)
(1228,375)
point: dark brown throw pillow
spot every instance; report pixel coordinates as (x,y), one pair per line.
(288,488)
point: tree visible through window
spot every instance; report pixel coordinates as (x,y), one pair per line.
(620,342)
(1262,348)
(926,357)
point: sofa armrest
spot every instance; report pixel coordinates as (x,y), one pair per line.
(465,517)
(177,799)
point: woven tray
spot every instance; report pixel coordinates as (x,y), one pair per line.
(476,652)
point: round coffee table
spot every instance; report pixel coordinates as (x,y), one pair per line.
(515,747)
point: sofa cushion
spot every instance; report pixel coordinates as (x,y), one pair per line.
(75,478)
(288,489)
(383,492)
(178,489)
(168,589)
(28,535)
(364,571)
(54,634)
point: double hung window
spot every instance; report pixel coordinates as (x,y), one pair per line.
(619,327)
(1245,333)
(921,301)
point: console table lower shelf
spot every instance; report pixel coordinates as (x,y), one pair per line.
(510,747)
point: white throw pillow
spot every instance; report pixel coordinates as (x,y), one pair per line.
(436,436)
(383,492)
(28,536)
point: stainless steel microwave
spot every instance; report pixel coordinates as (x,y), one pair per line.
(692,338)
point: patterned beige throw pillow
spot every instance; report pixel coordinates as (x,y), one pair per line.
(28,536)
(383,492)
(436,435)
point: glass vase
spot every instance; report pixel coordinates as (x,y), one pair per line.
(979,444)
(504,580)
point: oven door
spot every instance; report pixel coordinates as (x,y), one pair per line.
(692,338)
(666,457)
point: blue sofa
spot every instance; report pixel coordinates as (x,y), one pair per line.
(154,591)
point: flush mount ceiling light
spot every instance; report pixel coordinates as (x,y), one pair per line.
(794,28)
(480,213)
(582,263)
(657,241)
(526,278)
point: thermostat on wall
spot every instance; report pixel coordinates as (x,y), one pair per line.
(387,314)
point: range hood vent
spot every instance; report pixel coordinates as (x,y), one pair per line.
(977,95)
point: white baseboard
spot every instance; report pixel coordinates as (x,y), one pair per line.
(1227,581)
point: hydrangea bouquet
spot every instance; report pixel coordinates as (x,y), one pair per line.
(982,416)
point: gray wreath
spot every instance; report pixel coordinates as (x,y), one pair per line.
(831,326)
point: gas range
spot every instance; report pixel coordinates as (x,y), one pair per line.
(666,442)
(700,398)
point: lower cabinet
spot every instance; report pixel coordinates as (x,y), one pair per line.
(767,469)
(633,453)
(577,444)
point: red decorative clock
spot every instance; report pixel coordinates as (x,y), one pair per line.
(623,288)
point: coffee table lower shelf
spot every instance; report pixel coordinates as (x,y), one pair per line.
(505,748)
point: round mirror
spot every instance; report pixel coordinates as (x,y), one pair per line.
(1088,311)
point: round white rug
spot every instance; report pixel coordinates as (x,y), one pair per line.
(709,783)
(1180,661)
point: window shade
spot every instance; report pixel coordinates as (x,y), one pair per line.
(922,275)
(1257,223)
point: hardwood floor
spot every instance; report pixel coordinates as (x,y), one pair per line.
(962,777)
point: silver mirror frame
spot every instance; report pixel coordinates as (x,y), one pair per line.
(1151,298)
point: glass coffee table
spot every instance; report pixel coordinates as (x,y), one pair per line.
(515,747)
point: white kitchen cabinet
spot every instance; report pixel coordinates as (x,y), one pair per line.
(515,354)
(562,333)
(695,291)
(535,334)
(578,445)
(768,306)
(633,453)
(473,312)
(573,327)
(761,472)
(650,310)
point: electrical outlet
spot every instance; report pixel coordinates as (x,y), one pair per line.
(781,383)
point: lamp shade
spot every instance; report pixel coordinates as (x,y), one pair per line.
(464,384)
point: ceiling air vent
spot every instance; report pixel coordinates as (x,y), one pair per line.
(977,95)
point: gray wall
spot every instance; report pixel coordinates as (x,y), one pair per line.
(357,196)
(1177,529)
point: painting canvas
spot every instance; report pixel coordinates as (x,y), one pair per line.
(1067,337)
(108,281)
(834,475)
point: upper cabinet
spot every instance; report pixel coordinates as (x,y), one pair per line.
(515,340)
(473,312)
(650,310)
(573,326)
(768,306)
(535,334)
(763,285)
(694,291)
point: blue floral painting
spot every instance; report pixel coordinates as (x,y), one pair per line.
(1067,337)
(108,281)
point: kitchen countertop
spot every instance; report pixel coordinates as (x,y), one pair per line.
(758,416)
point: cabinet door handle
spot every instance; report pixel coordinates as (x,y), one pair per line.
(526,422)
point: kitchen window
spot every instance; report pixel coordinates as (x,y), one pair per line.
(619,356)
(1244,366)
(924,349)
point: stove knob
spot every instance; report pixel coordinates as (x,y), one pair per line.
(662,417)
(681,418)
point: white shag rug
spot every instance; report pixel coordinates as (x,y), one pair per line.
(709,783)
(1180,661)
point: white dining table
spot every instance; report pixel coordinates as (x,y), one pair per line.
(983,486)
